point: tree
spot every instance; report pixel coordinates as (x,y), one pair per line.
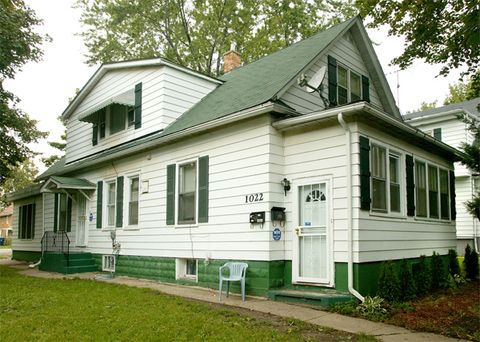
(18,44)
(195,34)
(23,175)
(461,91)
(442,31)
(59,145)
(424,106)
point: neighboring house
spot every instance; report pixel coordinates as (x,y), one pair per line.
(312,188)
(444,124)
(6,217)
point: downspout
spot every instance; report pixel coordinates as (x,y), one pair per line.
(348,155)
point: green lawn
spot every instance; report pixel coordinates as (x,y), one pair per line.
(79,310)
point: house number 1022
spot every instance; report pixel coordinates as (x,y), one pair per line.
(254,198)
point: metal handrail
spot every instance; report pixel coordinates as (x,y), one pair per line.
(56,242)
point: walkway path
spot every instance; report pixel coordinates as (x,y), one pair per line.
(384,332)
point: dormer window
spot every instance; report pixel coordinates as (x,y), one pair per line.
(345,85)
(115,114)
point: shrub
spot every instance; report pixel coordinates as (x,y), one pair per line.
(346,308)
(388,284)
(471,263)
(453,266)
(372,308)
(421,276)
(439,276)
(8,241)
(407,286)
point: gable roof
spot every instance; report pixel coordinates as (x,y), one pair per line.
(471,107)
(265,79)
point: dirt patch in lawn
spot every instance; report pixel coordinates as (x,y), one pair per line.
(454,313)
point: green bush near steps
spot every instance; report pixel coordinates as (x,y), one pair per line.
(471,263)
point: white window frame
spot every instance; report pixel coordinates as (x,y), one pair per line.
(427,182)
(106,205)
(59,212)
(401,174)
(349,86)
(181,270)
(107,123)
(177,192)
(127,193)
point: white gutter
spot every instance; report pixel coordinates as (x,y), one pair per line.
(442,116)
(267,107)
(348,156)
(362,107)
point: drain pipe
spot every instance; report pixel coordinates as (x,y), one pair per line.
(348,156)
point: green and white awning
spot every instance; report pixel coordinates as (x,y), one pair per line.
(68,186)
(126,99)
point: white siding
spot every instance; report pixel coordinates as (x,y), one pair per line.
(166,94)
(347,54)
(383,237)
(241,163)
(454,133)
(30,244)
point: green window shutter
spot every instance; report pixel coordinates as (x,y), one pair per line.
(99,203)
(410,185)
(119,220)
(332,81)
(203,189)
(69,214)
(32,232)
(453,209)
(20,222)
(138,105)
(365,89)
(171,169)
(364,173)
(95,134)
(437,133)
(55,213)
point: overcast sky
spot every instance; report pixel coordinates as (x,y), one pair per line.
(45,87)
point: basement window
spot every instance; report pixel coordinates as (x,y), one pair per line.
(186,269)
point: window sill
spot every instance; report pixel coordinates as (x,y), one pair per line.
(108,229)
(131,228)
(192,225)
(431,220)
(396,216)
(188,278)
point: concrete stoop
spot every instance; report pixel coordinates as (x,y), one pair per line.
(322,299)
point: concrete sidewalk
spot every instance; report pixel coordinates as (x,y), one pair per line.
(384,332)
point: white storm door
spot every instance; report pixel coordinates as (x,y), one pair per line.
(311,240)
(81,232)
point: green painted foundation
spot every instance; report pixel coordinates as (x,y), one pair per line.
(262,276)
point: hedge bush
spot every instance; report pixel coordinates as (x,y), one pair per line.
(471,263)
(422,276)
(388,283)
(407,285)
(438,274)
(453,266)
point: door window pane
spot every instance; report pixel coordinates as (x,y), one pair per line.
(111,197)
(421,189)
(313,201)
(433,191)
(133,202)
(444,195)
(186,193)
(379,179)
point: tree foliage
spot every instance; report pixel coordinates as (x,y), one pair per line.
(388,282)
(462,91)
(442,31)
(18,44)
(196,34)
(22,175)
(423,107)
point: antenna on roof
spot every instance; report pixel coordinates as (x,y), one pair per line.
(315,83)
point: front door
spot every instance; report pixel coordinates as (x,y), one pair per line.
(311,262)
(81,233)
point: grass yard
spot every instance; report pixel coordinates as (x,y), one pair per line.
(85,310)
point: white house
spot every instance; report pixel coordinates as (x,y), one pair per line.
(299,164)
(444,124)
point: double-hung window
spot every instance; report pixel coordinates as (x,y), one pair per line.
(133,201)
(432,191)
(187,185)
(26,221)
(386,187)
(349,86)
(111,198)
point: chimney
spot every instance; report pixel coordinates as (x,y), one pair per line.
(231,60)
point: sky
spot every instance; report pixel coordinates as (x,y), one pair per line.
(45,87)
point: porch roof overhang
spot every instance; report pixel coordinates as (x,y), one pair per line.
(65,185)
(364,112)
(126,99)
(30,191)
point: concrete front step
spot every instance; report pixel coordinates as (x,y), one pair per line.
(317,298)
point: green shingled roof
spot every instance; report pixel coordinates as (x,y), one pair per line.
(257,82)
(70,182)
